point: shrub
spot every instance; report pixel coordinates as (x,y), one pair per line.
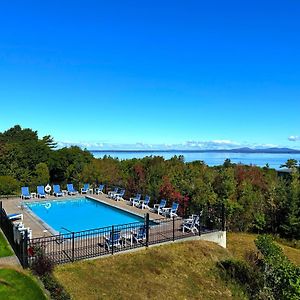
(56,290)
(288,242)
(43,267)
(42,264)
(8,185)
(259,222)
(281,277)
(242,273)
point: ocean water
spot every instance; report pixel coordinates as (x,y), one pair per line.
(211,158)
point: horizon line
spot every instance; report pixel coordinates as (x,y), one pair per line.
(274,150)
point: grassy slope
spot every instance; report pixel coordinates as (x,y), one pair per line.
(240,243)
(4,247)
(16,284)
(178,271)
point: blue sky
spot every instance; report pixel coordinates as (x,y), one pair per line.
(136,74)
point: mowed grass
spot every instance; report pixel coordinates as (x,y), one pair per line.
(18,285)
(175,271)
(239,244)
(5,250)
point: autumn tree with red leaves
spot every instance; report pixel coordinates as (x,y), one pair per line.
(171,194)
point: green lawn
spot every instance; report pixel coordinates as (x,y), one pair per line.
(239,244)
(17,285)
(175,271)
(5,250)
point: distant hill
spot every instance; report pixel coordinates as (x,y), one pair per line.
(266,150)
(237,150)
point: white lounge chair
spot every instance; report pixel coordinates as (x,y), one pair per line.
(22,230)
(159,207)
(17,216)
(171,211)
(191,224)
(41,191)
(140,235)
(56,190)
(25,192)
(16,232)
(144,203)
(135,199)
(112,193)
(99,190)
(71,190)
(114,240)
(85,189)
(119,196)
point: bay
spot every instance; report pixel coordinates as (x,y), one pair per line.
(210,158)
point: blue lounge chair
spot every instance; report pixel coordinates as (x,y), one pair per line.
(100,189)
(41,191)
(140,236)
(171,211)
(17,216)
(85,188)
(135,200)
(71,190)
(56,190)
(144,203)
(191,224)
(120,195)
(114,240)
(25,192)
(113,192)
(159,207)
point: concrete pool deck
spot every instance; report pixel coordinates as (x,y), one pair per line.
(89,244)
(40,229)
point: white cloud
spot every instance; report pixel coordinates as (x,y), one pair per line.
(223,142)
(262,146)
(88,145)
(213,144)
(188,145)
(294,138)
(218,144)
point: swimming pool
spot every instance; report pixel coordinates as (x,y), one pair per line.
(77,214)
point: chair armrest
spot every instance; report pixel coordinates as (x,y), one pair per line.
(166,208)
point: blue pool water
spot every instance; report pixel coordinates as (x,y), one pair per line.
(78,214)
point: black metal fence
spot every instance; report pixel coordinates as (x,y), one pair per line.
(17,239)
(73,246)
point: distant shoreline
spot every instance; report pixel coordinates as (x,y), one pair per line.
(242,150)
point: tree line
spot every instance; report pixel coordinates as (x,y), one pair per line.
(256,199)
